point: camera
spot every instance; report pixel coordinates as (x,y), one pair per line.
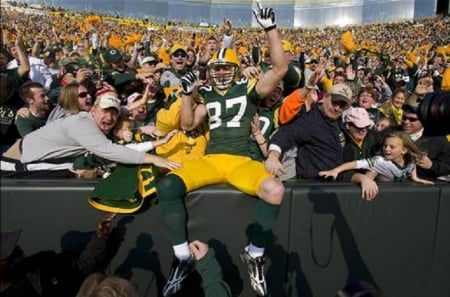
(434,113)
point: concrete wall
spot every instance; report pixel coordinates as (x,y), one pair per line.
(325,237)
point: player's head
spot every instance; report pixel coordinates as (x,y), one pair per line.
(223,67)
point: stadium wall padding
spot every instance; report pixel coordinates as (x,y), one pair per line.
(326,236)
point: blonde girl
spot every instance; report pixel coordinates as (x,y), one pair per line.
(397,161)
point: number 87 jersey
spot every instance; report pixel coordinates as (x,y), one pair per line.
(230,116)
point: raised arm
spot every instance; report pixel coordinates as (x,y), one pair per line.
(191,114)
(22,59)
(269,81)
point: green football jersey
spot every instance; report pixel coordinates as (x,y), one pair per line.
(230,117)
(267,119)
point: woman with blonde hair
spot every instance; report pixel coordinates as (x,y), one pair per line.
(392,108)
(73,98)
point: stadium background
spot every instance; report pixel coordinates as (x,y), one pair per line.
(290,13)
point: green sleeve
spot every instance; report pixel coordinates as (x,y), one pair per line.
(213,284)
(24,126)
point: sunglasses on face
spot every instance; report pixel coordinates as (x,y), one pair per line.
(360,128)
(342,104)
(412,120)
(83,94)
(180,54)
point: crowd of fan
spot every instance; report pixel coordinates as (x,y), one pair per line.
(63,48)
(133,58)
(82,93)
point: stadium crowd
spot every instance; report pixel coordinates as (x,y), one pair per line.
(83,95)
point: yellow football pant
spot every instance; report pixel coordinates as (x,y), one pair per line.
(241,172)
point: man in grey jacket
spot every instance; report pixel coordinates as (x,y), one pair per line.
(54,146)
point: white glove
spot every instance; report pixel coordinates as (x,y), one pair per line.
(188,83)
(265,17)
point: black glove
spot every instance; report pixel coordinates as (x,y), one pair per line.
(188,83)
(265,17)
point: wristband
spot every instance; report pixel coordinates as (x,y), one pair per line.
(270,28)
(261,143)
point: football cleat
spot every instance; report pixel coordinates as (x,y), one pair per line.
(255,268)
(178,273)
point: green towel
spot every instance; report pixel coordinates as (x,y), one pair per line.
(125,189)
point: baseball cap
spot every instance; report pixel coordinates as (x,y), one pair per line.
(133,97)
(72,67)
(177,47)
(74,53)
(111,55)
(108,101)
(340,92)
(105,91)
(148,59)
(358,116)
(55,49)
(8,243)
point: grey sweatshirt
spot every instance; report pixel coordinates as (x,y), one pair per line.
(74,136)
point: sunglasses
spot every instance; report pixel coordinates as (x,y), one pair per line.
(359,128)
(83,94)
(342,104)
(180,54)
(412,120)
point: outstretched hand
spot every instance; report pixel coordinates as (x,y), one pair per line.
(198,249)
(104,227)
(169,136)
(329,173)
(165,163)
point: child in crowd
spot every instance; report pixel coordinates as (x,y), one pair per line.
(384,123)
(126,133)
(396,162)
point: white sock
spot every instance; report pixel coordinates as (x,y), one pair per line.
(254,251)
(182,251)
